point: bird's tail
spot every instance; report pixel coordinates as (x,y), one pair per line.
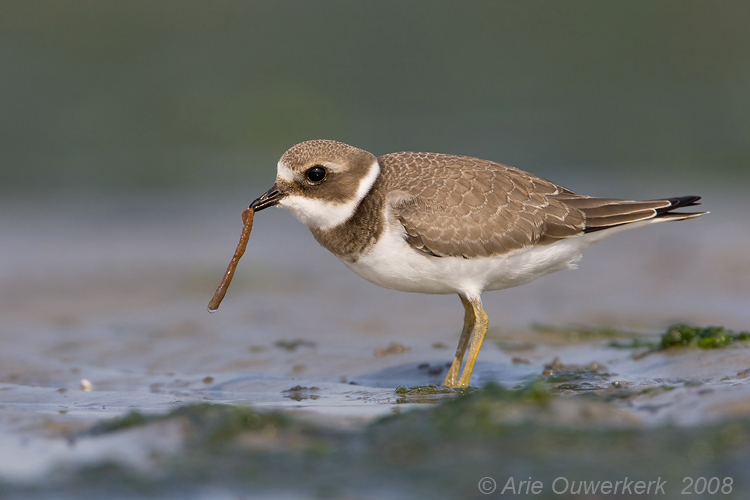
(605,213)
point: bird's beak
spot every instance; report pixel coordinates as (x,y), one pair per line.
(268,199)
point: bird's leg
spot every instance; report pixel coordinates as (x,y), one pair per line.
(451,380)
(480,330)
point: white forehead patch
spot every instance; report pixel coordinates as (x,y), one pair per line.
(321,214)
(284,173)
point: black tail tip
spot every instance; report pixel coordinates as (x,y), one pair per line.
(678,202)
(683,201)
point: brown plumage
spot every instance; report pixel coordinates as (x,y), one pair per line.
(461,206)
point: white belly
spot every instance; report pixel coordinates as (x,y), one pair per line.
(392,263)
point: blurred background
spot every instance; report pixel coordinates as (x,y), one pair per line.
(169,94)
(134,133)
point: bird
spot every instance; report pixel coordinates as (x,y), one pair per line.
(442,224)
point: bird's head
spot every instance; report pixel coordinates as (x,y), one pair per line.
(321,182)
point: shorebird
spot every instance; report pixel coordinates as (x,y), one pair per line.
(442,224)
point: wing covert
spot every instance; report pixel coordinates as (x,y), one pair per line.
(465,207)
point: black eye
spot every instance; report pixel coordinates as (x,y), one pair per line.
(316,174)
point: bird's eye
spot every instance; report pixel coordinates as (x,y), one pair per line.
(316,174)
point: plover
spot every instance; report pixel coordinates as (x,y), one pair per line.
(440,224)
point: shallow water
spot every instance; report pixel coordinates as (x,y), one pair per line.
(113,290)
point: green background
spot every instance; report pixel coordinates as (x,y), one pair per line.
(150,93)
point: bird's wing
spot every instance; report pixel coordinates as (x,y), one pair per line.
(466,207)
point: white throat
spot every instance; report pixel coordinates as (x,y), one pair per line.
(322,214)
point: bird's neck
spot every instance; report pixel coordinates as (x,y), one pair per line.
(350,239)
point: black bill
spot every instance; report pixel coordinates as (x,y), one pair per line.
(267,199)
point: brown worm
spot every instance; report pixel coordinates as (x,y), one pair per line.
(247,219)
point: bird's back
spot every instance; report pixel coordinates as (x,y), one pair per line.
(462,206)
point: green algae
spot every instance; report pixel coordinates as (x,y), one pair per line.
(712,337)
(633,344)
(583,386)
(429,394)
(678,335)
(438,451)
(133,419)
(682,335)
(436,394)
(583,333)
(421,390)
(293,345)
(217,424)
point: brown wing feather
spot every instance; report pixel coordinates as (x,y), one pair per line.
(461,206)
(602,213)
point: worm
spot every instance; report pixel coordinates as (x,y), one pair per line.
(247,219)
